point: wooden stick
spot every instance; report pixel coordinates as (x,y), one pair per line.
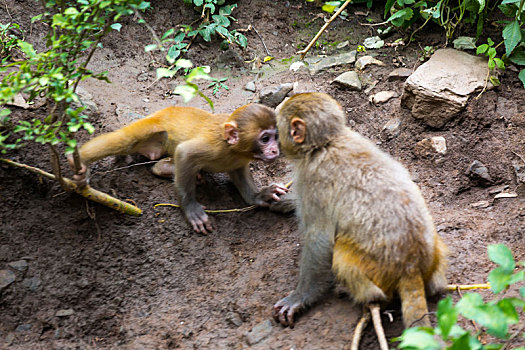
(303,52)
(85,191)
(453,287)
(359,329)
(376,319)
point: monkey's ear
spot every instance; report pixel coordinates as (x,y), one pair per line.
(231,133)
(298,130)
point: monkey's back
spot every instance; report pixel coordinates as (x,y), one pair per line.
(377,213)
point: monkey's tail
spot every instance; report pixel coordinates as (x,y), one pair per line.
(413,302)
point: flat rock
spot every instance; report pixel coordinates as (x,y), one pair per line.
(272,96)
(6,278)
(259,332)
(440,88)
(399,74)
(382,96)
(465,43)
(332,61)
(364,61)
(250,86)
(64,312)
(373,42)
(391,129)
(20,265)
(478,172)
(32,283)
(349,80)
(433,145)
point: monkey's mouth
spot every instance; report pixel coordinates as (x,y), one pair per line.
(267,159)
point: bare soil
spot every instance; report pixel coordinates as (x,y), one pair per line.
(150,283)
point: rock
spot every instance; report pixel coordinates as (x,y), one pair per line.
(19,101)
(433,145)
(20,265)
(440,88)
(343,44)
(478,172)
(382,96)
(86,100)
(6,278)
(234,318)
(273,95)
(399,74)
(23,327)
(480,204)
(64,312)
(332,61)
(250,86)
(296,66)
(364,61)
(510,194)
(32,283)
(391,129)
(144,76)
(497,189)
(349,80)
(465,43)
(373,42)
(519,170)
(259,332)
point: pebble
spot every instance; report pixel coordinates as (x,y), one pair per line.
(234,318)
(477,171)
(349,80)
(250,86)
(399,74)
(391,129)
(294,67)
(435,144)
(259,332)
(6,278)
(382,97)
(480,204)
(273,95)
(64,312)
(373,42)
(465,43)
(20,265)
(32,283)
(23,327)
(364,61)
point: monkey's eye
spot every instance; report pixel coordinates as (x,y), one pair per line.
(265,139)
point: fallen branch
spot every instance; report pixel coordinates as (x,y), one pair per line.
(454,287)
(376,320)
(359,329)
(85,191)
(303,52)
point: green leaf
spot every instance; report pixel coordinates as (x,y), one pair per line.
(150,47)
(116,26)
(89,127)
(522,289)
(186,92)
(447,316)
(198,2)
(481,6)
(499,279)
(172,55)
(510,2)
(502,255)
(165,73)
(399,17)
(508,310)
(494,80)
(490,42)
(168,33)
(491,63)
(461,343)
(329,8)
(512,36)
(388,6)
(518,56)
(198,73)
(521,75)
(482,49)
(491,52)
(27,48)
(418,338)
(184,63)
(499,63)
(241,40)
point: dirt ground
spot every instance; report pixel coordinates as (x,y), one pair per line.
(150,283)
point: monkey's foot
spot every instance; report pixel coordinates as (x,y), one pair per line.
(285,309)
(198,218)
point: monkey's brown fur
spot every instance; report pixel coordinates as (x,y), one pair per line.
(361,215)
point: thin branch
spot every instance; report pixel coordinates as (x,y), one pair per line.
(359,329)
(303,52)
(260,37)
(376,319)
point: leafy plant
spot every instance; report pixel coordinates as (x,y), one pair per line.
(494,316)
(75,30)
(8,40)
(218,84)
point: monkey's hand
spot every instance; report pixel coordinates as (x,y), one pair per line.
(285,309)
(81,178)
(270,194)
(198,218)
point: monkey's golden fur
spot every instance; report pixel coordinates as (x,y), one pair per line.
(361,214)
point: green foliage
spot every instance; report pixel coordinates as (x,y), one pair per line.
(8,40)
(218,84)
(189,90)
(75,29)
(495,316)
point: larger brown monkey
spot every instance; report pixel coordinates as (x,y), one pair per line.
(361,215)
(197,140)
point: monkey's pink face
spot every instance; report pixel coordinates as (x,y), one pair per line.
(267,145)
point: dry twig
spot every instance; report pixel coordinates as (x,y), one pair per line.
(376,319)
(359,329)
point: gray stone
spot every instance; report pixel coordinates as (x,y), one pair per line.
(364,61)
(391,129)
(20,265)
(373,42)
(349,80)
(382,96)
(440,88)
(343,44)
(519,170)
(6,278)
(250,86)
(478,172)
(23,327)
(32,283)
(465,43)
(234,318)
(86,100)
(259,332)
(333,61)
(64,312)
(273,95)
(297,66)
(126,114)
(399,74)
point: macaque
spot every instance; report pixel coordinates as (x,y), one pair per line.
(363,220)
(196,140)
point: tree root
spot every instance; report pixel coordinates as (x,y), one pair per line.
(85,191)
